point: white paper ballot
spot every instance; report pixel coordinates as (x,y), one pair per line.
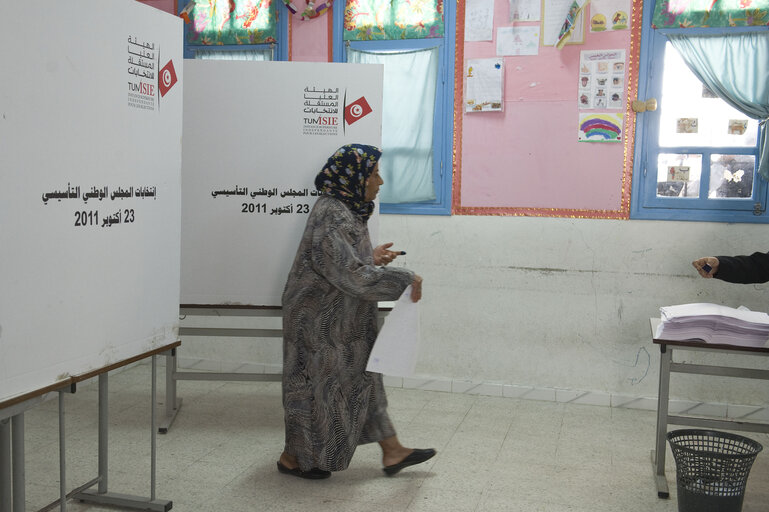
(395,349)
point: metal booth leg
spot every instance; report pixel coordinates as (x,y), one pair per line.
(658,454)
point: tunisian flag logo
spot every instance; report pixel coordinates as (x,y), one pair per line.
(166,78)
(356,110)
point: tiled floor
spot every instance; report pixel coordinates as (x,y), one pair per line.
(493,454)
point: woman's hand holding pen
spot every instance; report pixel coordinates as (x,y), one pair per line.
(707,267)
(383,256)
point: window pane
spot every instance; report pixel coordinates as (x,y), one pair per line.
(410,80)
(731,176)
(691,115)
(678,175)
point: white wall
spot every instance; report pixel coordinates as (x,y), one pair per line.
(565,303)
(553,308)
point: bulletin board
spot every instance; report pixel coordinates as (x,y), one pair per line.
(90,152)
(530,158)
(255,136)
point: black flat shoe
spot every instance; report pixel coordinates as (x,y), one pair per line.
(416,457)
(313,474)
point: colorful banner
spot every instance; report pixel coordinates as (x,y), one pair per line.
(710,13)
(366,20)
(216,22)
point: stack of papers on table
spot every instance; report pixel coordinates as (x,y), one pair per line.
(713,323)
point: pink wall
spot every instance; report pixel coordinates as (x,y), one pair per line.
(527,160)
(310,38)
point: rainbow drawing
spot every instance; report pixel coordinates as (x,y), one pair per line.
(605,127)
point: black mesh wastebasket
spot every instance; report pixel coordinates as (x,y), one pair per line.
(711,469)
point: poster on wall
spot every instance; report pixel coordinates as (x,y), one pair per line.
(600,127)
(255,136)
(525,10)
(576,10)
(484,85)
(90,188)
(520,40)
(554,14)
(479,20)
(601,80)
(609,15)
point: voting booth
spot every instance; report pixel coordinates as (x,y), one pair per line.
(134,181)
(255,136)
(90,131)
(90,210)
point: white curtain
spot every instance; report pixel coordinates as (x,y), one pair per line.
(407,122)
(234,54)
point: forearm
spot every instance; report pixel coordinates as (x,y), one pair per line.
(744,269)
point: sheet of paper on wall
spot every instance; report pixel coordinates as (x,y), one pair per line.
(484,83)
(554,13)
(525,10)
(609,15)
(522,40)
(479,20)
(396,346)
(601,79)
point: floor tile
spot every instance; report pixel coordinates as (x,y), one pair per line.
(494,453)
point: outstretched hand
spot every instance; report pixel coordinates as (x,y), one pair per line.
(707,267)
(383,255)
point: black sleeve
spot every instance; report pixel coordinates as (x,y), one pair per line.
(744,269)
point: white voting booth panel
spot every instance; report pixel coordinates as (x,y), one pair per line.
(255,136)
(90,178)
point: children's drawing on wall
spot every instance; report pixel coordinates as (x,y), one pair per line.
(603,127)
(686,125)
(523,40)
(484,81)
(556,14)
(609,15)
(525,10)
(479,20)
(678,173)
(737,126)
(601,79)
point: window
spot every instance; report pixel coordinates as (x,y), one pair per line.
(235,30)
(696,156)
(417,126)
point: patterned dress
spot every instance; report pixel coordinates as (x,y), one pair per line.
(329,326)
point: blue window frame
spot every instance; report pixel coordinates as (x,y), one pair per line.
(279,50)
(443,125)
(648,200)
